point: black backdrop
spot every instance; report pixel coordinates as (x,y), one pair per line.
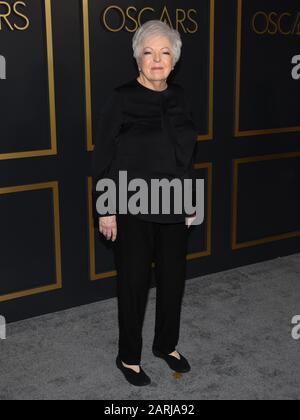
(240,67)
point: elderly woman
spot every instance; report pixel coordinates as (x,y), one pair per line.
(146,129)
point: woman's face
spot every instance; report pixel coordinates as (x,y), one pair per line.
(156,59)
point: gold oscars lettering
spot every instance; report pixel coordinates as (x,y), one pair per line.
(273,23)
(12,16)
(132,18)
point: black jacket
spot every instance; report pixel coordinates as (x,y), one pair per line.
(148,133)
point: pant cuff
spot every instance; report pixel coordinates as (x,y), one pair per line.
(166,351)
(130,361)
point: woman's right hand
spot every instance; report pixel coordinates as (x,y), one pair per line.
(108,227)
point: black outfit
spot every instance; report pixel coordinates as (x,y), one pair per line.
(150,134)
(138,244)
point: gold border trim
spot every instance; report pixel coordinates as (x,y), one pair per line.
(87,69)
(236,163)
(58,284)
(51,88)
(245,133)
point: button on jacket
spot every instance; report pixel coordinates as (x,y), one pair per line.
(151,135)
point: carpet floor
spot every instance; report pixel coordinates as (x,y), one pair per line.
(235,331)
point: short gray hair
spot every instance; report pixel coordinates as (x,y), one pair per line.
(153,28)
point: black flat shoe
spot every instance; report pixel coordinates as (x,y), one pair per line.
(134,378)
(179,365)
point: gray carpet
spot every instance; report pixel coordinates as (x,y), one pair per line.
(236,333)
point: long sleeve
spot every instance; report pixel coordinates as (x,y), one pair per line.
(189,111)
(108,126)
(182,130)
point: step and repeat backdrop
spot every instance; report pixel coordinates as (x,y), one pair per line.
(59,61)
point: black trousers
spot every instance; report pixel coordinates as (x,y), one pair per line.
(138,244)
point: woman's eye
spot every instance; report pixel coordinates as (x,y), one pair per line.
(148,52)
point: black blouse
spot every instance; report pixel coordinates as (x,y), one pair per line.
(148,133)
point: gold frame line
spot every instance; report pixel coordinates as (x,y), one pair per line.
(56,215)
(51,90)
(238,133)
(246,244)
